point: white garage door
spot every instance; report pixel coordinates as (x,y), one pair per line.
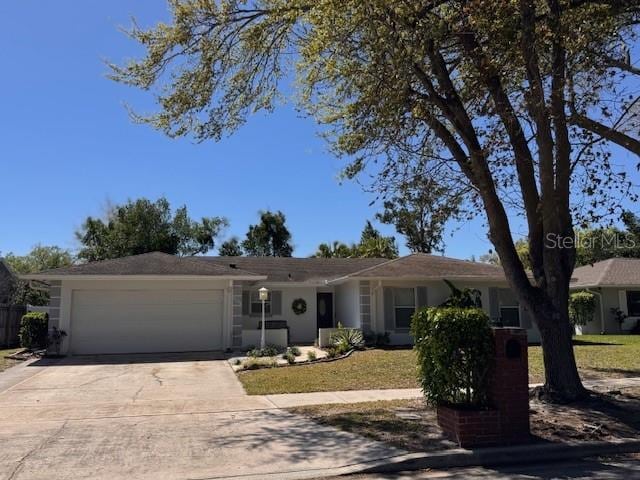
(143,321)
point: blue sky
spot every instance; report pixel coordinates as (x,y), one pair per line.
(67,146)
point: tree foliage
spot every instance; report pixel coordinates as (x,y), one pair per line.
(592,244)
(269,238)
(143,226)
(230,248)
(465,298)
(372,245)
(420,209)
(40,258)
(335,249)
(518,102)
(582,307)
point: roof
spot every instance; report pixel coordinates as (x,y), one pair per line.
(154,263)
(291,269)
(422,265)
(283,269)
(608,273)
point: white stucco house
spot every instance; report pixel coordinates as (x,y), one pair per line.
(616,285)
(161,303)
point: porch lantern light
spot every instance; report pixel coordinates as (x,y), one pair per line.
(263,295)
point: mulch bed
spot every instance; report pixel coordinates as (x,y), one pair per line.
(603,416)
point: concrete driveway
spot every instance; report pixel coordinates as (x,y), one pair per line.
(156,417)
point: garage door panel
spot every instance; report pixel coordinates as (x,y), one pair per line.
(140,321)
(93,298)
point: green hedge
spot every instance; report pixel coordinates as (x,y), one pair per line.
(455,353)
(582,307)
(33,330)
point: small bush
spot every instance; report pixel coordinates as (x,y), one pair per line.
(295,351)
(33,330)
(345,339)
(256,363)
(311,355)
(268,351)
(289,357)
(332,352)
(455,353)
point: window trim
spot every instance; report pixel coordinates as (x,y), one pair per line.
(395,306)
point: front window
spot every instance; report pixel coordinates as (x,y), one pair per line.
(510,316)
(256,304)
(404,304)
(633,303)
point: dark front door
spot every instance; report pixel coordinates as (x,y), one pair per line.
(325,310)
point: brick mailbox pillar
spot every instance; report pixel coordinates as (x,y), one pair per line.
(507,421)
(509,387)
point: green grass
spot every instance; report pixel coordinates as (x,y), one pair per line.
(598,356)
(6,362)
(371,369)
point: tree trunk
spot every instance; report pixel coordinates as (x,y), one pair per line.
(562,381)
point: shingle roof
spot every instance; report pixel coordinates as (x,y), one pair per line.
(154,263)
(420,265)
(290,269)
(611,272)
(285,269)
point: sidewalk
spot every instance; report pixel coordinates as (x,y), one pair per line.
(290,400)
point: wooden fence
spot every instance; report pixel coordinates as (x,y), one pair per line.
(10,316)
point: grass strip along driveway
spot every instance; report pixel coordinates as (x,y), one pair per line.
(598,356)
(7,362)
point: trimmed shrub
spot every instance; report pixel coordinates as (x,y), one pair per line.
(455,353)
(582,307)
(33,330)
(311,355)
(268,351)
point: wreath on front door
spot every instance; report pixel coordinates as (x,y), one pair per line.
(299,306)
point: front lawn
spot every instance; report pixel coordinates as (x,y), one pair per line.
(370,369)
(598,356)
(7,362)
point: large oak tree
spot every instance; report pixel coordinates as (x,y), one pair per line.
(518,100)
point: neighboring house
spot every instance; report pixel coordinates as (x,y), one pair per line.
(7,282)
(616,285)
(161,303)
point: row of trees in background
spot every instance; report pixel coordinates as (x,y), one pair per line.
(372,245)
(591,244)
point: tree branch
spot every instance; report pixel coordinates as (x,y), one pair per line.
(608,133)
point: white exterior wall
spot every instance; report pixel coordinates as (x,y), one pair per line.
(347,304)
(302,328)
(606,299)
(437,292)
(69,286)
